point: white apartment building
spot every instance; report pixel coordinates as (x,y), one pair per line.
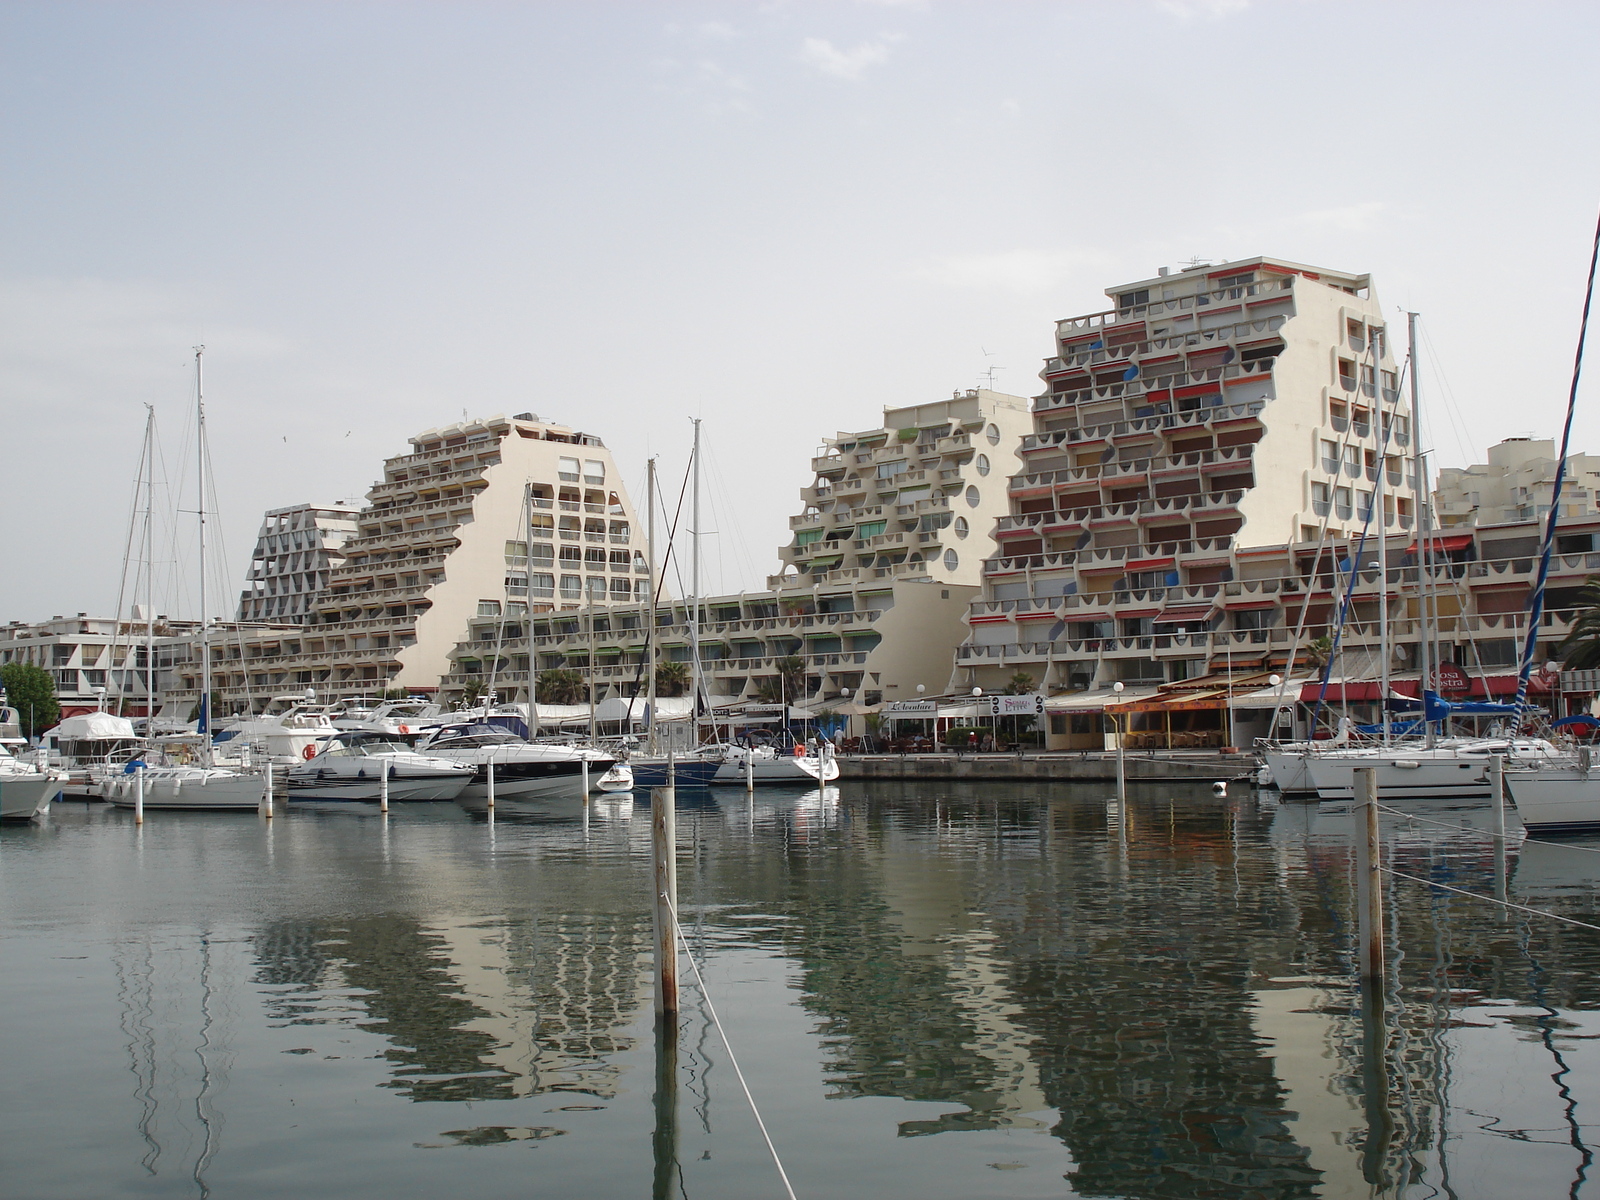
(1515,485)
(1211,410)
(296,550)
(886,555)
(904,500)
(97,662)
(448,533)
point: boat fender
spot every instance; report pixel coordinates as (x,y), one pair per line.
(799,751)
(309,752)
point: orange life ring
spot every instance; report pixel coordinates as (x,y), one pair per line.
(404,729)
(309,752)
(799,750)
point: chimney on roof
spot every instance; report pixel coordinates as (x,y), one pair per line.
(1163,271)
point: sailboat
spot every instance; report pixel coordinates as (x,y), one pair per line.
(199,783)
(1408,768)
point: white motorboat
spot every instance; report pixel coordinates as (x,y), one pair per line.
(1558,797)
(1450,769)
(87,746)
(391,716)
(285,738)
(523,769)
(25,791)
(768,766)
(351,767)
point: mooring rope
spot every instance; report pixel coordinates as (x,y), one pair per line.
(1538,912)
(1488,833)
(723,1034)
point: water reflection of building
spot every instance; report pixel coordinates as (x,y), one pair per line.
(472,1010)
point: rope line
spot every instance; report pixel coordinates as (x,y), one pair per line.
(733,1060)
(1488,833)
(1538,912)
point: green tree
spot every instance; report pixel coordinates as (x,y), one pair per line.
(672,679)
(1319,650)
(31,691)
(472,691)
(561,685)
(787,685)
(1581,649)
(1021,684)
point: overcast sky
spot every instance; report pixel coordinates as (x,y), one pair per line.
(780,217)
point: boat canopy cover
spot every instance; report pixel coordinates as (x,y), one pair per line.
(93,726)
(1584,720)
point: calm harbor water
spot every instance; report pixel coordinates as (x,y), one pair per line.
(935,990)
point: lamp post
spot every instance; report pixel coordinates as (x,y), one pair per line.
(1277,705)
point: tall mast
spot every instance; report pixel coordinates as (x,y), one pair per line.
(204,726)
(694,588)
(650,610)
(1425,629)
(149,569)
(1380,437)
(527,625)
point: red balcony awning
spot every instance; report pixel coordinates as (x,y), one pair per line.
(1446,544)
(1149,564)
(1246,605)
(1338,693)
(1185,613)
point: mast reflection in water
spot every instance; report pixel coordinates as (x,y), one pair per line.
(935,990)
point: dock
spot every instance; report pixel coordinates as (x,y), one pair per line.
(1168,766)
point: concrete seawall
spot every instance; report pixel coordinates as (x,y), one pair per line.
(1192,768)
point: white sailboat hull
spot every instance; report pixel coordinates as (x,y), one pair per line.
(777,769)
(188,788)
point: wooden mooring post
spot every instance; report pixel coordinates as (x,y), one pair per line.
(663,841)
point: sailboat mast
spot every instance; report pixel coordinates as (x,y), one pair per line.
(204,727)
(650,610)
(694,586)
(1380,438)
(149,568)
(1425,626)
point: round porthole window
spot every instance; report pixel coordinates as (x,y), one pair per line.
(952,560)
(993,434)
(961,527)
(973,497)
(983,464)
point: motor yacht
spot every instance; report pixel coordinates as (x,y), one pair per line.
(523,769)
(351,765)
(25,790)
(86,747)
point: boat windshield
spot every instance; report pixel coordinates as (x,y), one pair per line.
(456,736)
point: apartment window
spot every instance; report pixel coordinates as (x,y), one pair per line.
(571,587)
(870,529)
(542,585)
(596,588)
(960,526)
(993,434)
(567,468)
(1347,374)
(488,608)
(952,560)
(543,552)
(974,497)
(541,525)
(888,470)
(1254,618)
(621,589)
(1129,299)
(594,556)
(594,471)
(982,464)
(571,554)
(1330,456)
(1319,503)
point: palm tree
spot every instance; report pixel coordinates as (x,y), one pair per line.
(788,685)
(672,679)
(1581,649)
(1021,684)
(561,686)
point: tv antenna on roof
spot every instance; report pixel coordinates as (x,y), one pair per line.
(989,372)
(1197,261)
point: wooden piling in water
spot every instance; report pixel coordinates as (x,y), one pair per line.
(1369,875)
(663,841)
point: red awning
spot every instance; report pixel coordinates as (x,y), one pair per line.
(988,620)
(1148,564)
(1506,685)
(1037,616)
(1455,541)
(1137,612)
(1340,692)
(1241,605)
(1185,612)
